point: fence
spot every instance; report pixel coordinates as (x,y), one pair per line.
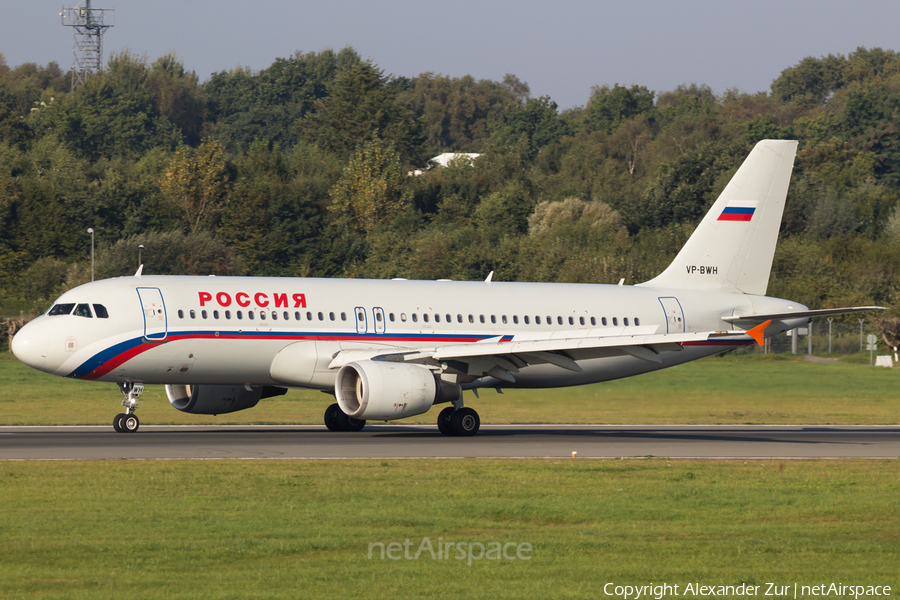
(844,338)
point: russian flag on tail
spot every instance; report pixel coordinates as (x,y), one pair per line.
(738,210)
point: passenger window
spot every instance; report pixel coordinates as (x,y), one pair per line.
(593,321)
(391,317)
(296,315)
(637,322)
(550,321)
(250,314)
(215,314)
(61,309)
(503,319)
(537,320)
(603,321)
(308,316)
(571,321)
(100,311)
(458,318)
(262,315)
(343,316)
(403,317)
(471,318)
(180,314)
(559,320)
(228,314)
(274,316)
(331,316)
(321,316)
(193,314)
(581,320)
(450,319)
(378,317)
(481,318)
(615,321)
(424,317)
(239,314)
(204,314)
(415,317)
(625,321)
(516,319)
(83,310)
(437,318)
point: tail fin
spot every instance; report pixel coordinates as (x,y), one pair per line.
(732,248)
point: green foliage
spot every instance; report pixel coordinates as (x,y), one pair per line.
(610,106)
(361,107)
(372,189)
(167,253)
(303,168)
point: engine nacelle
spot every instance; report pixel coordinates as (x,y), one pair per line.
(217,399)
(382,390)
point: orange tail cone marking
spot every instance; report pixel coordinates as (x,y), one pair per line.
(757,332)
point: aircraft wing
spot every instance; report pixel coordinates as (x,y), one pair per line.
(823,312)
(502,360)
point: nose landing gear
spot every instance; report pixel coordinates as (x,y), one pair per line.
(128,422)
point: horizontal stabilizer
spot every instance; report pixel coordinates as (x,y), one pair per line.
(800,314)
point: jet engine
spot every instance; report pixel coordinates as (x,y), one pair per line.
(382,390)
(218,399)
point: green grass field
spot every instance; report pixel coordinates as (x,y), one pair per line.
(732,389)
(302,529)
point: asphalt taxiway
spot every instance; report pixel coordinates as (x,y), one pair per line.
(424,441)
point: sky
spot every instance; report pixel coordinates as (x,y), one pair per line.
(561,49)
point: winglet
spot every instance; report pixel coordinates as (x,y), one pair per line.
(757,333)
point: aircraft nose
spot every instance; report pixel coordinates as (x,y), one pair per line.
(31,345)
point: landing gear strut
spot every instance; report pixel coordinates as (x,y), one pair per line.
(336,420)
(458,420)
(128,422)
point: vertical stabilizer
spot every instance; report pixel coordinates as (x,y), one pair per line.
(732,248)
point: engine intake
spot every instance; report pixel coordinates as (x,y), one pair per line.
(382,390)
(218,399)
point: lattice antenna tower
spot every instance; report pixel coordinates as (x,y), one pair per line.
(88,26)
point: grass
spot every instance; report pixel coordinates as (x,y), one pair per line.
(739,389)
(289,529)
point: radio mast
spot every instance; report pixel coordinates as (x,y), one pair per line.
(88,26)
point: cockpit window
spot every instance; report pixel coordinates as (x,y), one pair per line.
(83,310)
(61,309)
(100,311)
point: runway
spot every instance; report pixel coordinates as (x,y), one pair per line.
(424,441)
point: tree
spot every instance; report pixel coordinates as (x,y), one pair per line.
(610,106)
(196,183)
(372,189)
(361,108)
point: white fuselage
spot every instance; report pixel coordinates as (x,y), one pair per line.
(229,330)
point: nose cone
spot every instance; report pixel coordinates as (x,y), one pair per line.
(31,345)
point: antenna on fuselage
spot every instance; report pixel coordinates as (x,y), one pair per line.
(489,277)
(139,271)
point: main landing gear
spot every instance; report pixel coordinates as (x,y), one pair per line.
(128,422)
(458,420)
(336,420)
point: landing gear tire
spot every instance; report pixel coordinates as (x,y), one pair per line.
(117,423)
(130,423)
(443,421)
(336,420)
(465,422)
(331,417)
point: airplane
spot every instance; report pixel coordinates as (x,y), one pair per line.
(391,349)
